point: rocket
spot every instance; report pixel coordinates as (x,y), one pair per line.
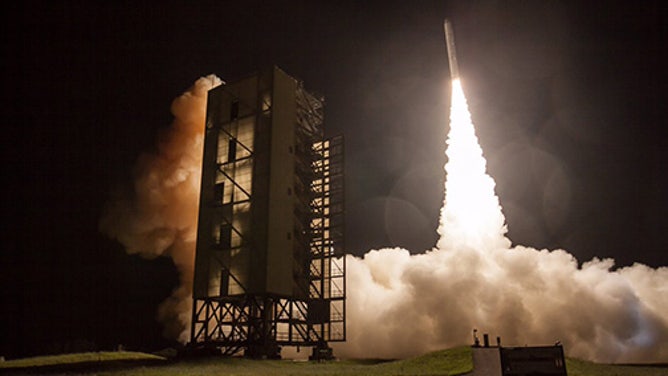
(450,47)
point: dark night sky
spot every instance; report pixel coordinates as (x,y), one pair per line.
(568,100)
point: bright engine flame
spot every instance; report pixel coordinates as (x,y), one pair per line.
(471,215)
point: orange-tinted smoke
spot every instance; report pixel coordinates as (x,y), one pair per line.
(159,216)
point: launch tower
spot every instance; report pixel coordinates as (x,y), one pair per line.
(269,265)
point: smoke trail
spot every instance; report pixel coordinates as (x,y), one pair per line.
(401,305)
(159,218)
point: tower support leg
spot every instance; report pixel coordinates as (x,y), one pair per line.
(321,352)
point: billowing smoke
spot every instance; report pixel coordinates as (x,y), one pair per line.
(159,217)
(401,304)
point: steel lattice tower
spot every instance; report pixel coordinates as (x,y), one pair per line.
(269,265)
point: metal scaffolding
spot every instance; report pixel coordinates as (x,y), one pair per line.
(233,317)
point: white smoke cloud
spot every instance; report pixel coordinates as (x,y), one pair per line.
(401,304)
(159,217)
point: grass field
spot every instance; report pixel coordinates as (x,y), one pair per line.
(455,361)
(80,358)
(577,367)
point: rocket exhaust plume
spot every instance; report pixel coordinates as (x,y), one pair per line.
(401,304)
(159,217)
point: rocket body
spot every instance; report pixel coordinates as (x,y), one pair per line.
(450,47)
